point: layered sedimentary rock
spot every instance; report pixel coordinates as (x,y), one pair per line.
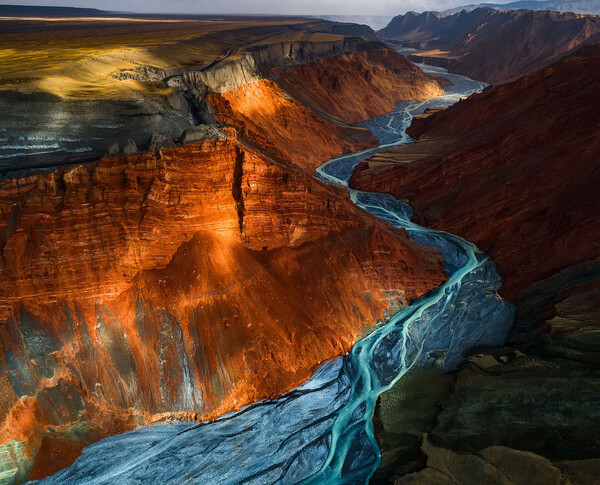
(358,86)
(490,45)
(514,170)
(180,284)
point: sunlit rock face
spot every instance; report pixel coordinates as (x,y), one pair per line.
(495,46)
(513,169)
(181,284)
(303,115)
(284,128)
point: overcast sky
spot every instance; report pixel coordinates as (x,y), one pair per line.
(284,7)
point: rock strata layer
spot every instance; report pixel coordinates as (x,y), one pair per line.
(358,86)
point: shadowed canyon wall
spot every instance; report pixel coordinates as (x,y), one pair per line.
(513,169)
(107,82)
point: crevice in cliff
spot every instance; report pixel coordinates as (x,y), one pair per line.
(236,187)
(14,214)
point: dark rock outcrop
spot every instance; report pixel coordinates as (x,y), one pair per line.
(525,413)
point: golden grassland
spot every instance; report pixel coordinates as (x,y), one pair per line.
(79,58)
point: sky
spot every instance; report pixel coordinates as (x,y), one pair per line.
(281,7)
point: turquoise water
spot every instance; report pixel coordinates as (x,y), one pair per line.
(322,432)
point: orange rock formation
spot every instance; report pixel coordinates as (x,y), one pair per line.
(180,285)
(359,86)
(284,128)
(312,125)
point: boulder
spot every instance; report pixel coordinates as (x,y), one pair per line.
(201,133)
(114,149)
(130,147)
(158,142)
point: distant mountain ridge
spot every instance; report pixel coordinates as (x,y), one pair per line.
(46,11)
(591,7)
(376,22)
(491,45)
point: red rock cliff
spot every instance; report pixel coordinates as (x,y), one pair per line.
(514,170)
(182,284)
(304,117)
(284,128)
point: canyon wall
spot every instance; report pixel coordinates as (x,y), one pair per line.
(494,46)
(42,129)
(305,114)
(358,86)
(180,285)
(513,169)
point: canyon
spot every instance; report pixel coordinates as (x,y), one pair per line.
(473,164)
(273,249)
(515,170)
(189,263)
(495,46)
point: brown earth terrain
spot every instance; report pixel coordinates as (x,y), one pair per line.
(313,125)
(513,169)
